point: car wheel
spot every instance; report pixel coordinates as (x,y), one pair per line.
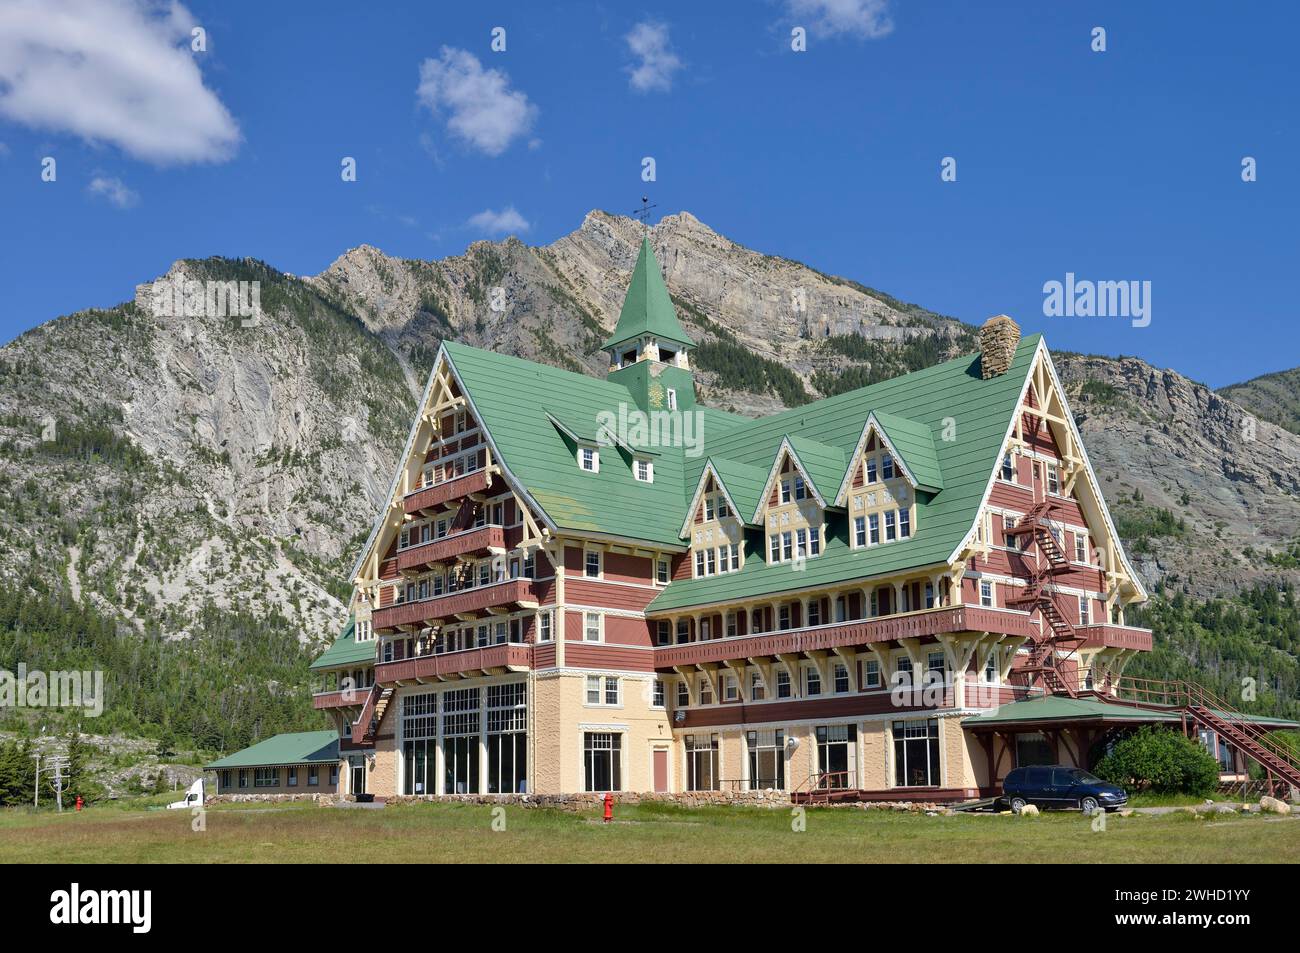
(1089,806)
(1017,805)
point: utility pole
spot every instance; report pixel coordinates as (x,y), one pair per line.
(36,789)
(58,762)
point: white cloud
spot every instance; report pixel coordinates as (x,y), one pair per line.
(656,61)
(481,108)
(117,71)
(504,222)
(114,190)
(867,19)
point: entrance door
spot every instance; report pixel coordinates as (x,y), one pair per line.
(358,776)
(836,755)
(660,757)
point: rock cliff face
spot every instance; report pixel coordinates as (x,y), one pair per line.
(153,464)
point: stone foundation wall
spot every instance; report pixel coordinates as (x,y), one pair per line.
(325,799)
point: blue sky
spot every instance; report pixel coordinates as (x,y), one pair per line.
(1118,165)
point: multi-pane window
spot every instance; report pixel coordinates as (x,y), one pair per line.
(313,776)
(814,612)
(507,738)
(1084,611)
(800,489)
(871,673)
(264,777)
(645,471)
(460,745)
(702,762)
(730,621)
(602,760)
(873,528)
(602,690)
(889,526)
(887,467)
(783,616)
(812,682)
(706,691)
(589,459)
(662,572)
(934,663)
(544,632)
(871,470)
(591,626)
(243,777)
(785,491)
(683,630)
(1080,548)
(783,684)
(663,632)
(419,743)
(658,698)
(916,753)
(841,679)
(1053,479)
(757,691)
(986,593)
(859,531)
(683,694)
(766,759)
(1008,468)
(291,777)
(730,689)
(591,565)
(904,524)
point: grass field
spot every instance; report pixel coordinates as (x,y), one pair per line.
(445,833)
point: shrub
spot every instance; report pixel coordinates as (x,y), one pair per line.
(1161,761)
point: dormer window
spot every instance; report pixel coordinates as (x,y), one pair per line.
(800,489)
(708,508)
(887,467)
(871,470)
(589,459)
(644,471)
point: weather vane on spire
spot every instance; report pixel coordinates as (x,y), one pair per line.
(643,213)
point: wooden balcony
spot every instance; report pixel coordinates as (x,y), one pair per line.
(1109,636)
(440,494)
(926,622)
(467,663)
(449,547)
(511,592)
(351,698)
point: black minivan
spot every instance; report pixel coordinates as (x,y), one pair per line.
(1060,787)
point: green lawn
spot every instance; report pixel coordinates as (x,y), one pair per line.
(442,833)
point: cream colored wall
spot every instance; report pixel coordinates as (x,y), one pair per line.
(960,752)
(564,713)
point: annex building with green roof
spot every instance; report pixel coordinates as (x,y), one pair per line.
(579,584)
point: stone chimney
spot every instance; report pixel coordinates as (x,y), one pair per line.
(999,337)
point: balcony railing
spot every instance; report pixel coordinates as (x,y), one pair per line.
(349,698)
(1110,636)
(507,655)
(458,544)
(477,599)
(924,622)
(432,497)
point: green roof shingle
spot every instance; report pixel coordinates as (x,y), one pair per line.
(345,650)
(647,308)
(300,747)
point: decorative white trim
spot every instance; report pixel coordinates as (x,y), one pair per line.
(872,424)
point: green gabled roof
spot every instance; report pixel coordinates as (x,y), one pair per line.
(914,442)
(300,747)
(647,308)
(983,411)
(516,400)
(825,464)
(1063,708)
(744,484)
(345,650)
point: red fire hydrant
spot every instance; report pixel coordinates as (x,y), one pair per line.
(79,802)
(609,807)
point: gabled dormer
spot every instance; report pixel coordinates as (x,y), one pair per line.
(893,461)
(649,351)
(792,507)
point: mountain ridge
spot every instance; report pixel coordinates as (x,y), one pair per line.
(197,460)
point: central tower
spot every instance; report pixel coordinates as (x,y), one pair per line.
(649,350)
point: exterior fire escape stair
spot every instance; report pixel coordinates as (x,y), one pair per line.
(1044,660)
(372,713)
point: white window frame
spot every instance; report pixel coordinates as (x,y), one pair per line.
(587,617)
(589,459)
(586,564)
(643,471)
(987,599)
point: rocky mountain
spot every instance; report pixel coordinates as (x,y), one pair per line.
(1272,397)
(157,464)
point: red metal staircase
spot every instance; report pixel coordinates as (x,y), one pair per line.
(1045,658)
(372,713)
(1202,707)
